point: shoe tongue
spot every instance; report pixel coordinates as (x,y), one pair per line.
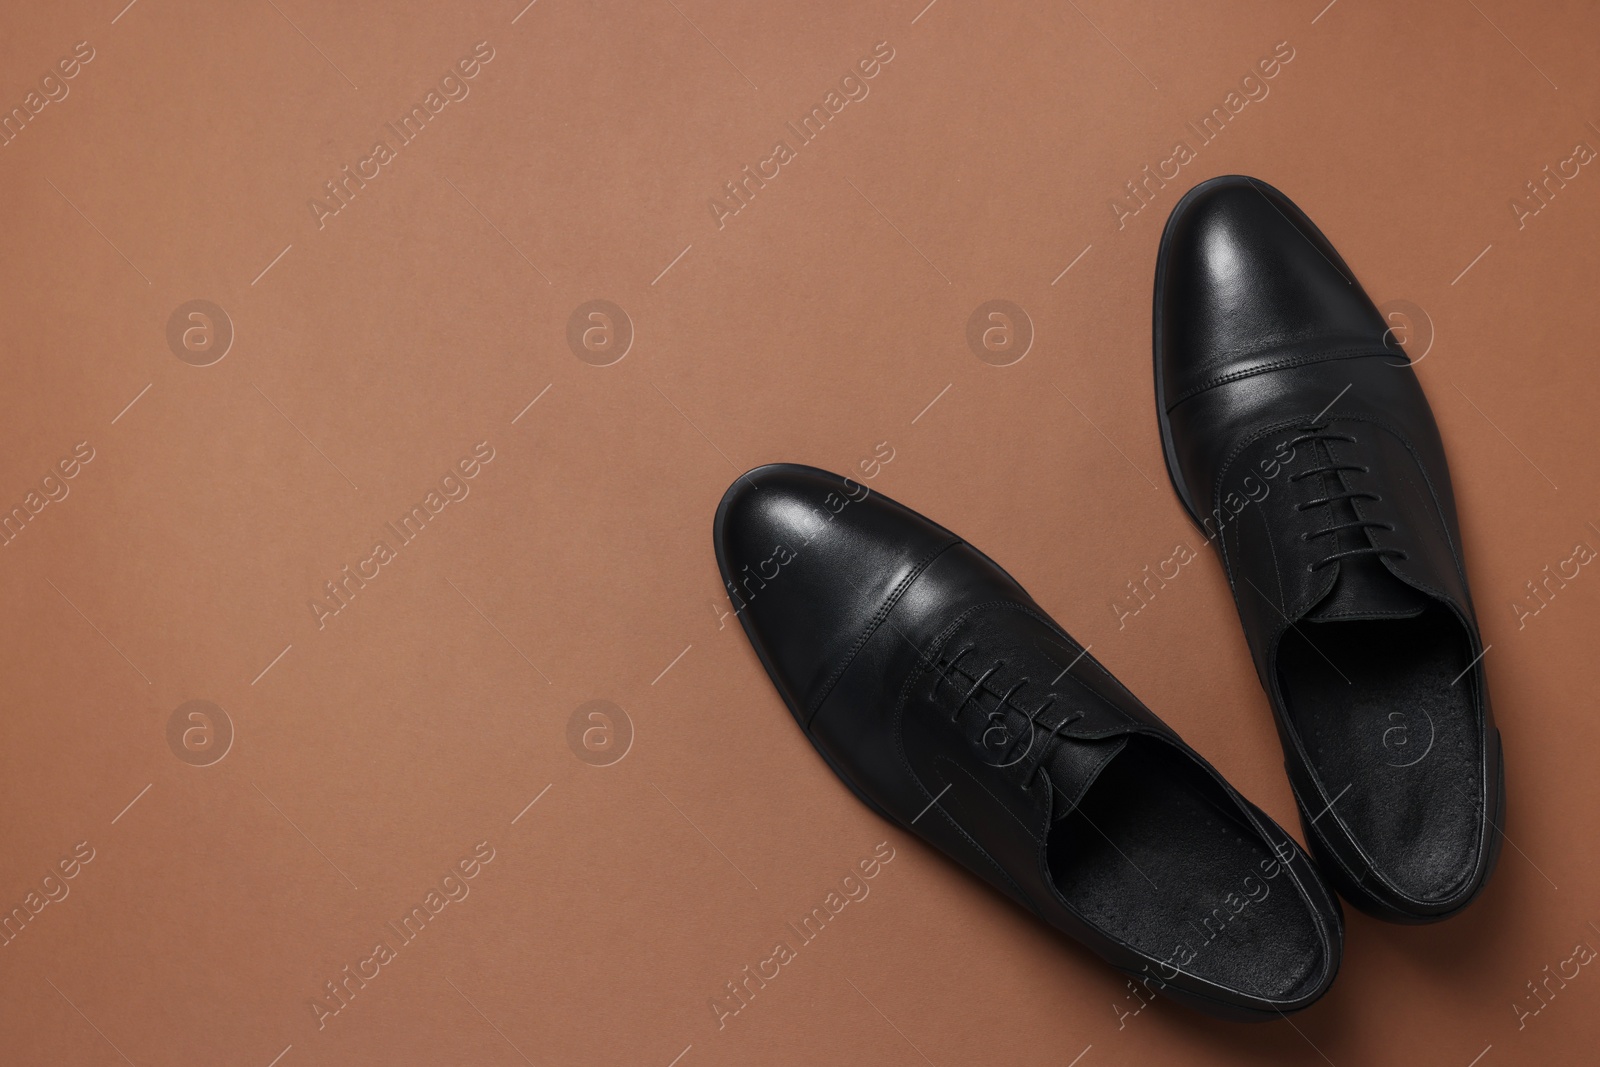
(1073,768)
(1366,590)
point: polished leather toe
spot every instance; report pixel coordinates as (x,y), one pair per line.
(1298,438)
(950,703)
(1251,286)
(807,559)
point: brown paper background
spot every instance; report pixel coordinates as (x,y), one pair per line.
(823,319)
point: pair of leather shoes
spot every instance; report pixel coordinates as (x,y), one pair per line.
(1298,440)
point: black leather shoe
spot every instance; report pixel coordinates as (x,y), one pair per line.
(950,703)
(1298,439)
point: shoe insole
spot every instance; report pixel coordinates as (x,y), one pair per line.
(1152,855)
(1388,721)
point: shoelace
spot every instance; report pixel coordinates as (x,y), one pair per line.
(1319,433)
(1035,753)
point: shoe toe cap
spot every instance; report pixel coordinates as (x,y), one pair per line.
(808,558)
(1245,283)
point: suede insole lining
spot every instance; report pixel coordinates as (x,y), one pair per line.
(1153,856)
(1387,719)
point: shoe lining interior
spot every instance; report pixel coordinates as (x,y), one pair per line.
(1153,856)
(1388,721)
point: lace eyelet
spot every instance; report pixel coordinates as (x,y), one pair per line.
(1305,537)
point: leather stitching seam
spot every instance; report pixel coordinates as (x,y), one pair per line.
(877,620)
(1278,364)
